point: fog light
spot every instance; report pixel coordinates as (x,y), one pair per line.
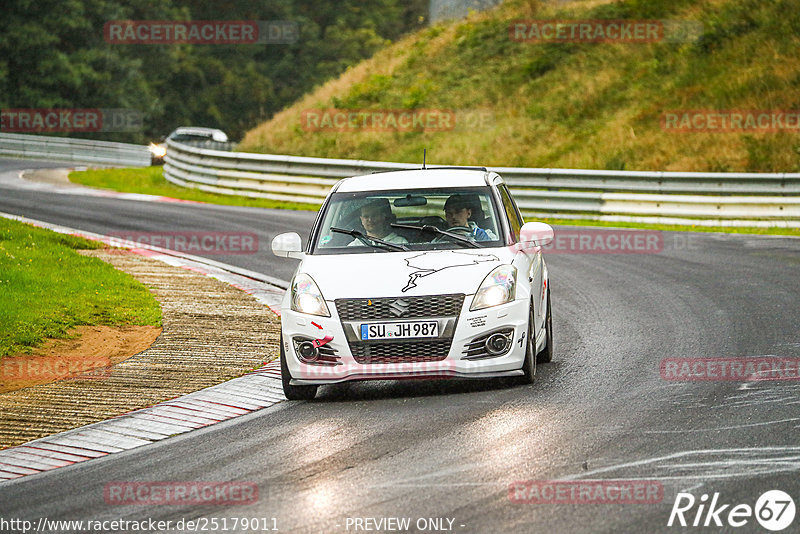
(497,343)
(308,352)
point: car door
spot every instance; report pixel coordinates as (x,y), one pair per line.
(528,261)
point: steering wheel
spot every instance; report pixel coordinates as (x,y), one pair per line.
(466,231)
(433,220)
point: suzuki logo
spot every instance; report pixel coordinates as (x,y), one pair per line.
(399,307)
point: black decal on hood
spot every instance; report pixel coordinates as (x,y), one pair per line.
(429,263)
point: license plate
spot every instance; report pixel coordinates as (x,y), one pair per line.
(372,331)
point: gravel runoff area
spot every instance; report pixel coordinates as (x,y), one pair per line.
(212,332)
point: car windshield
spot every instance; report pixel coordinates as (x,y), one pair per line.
(190,137)
(396,220)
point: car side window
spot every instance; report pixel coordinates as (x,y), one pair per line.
(514,218)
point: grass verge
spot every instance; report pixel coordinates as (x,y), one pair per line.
(151,181)
(557,104)
(47,288)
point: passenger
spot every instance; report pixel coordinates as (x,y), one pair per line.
(457,212)
(376,217)
(478,216)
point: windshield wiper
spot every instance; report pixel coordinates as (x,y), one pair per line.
(433,229)
(373,242)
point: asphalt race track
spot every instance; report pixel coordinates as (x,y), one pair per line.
(108,215)
(442,451)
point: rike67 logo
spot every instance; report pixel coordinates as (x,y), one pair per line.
(774,510)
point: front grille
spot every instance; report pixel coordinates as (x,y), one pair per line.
(416,307)
(401,352)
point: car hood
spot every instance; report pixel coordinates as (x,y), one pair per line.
(391,274)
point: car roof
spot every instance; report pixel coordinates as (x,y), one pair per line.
(430,178)
(199,130)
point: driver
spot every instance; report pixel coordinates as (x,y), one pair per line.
(376,217)
(458,211)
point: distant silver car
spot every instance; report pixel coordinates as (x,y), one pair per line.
(190,135)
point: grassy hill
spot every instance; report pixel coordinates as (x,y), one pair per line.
(571,105)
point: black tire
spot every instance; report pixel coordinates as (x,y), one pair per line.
(546,356)
(529,365)
(294,392)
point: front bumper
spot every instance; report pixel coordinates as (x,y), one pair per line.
(511,317)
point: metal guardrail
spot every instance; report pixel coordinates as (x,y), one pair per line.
(730,199)
(73,150)
(670,197)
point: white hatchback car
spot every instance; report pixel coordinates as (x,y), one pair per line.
(423,273)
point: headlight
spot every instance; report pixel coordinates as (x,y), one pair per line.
(306,297)
(158,151)
(497,288)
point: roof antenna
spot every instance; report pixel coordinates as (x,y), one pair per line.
(424,154)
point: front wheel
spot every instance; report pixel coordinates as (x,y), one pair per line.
(294,392)
(529,365)
(546,356)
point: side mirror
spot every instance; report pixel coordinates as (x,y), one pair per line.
(287,245)
(535,234)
